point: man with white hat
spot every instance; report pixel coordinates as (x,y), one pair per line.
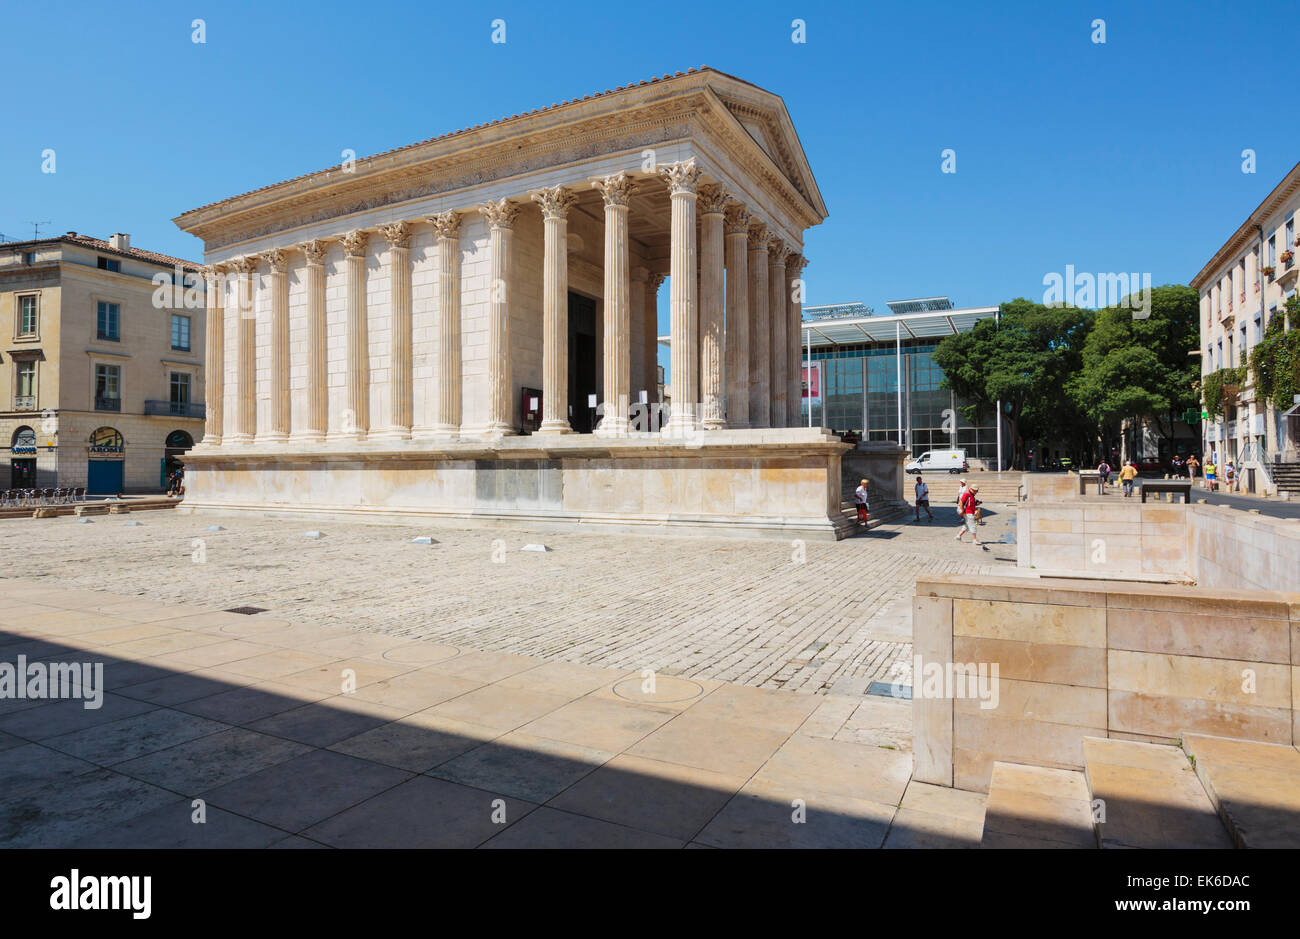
(968,506)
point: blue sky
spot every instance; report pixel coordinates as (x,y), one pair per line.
(1123,156)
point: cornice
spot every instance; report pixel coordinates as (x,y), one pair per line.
(442,168)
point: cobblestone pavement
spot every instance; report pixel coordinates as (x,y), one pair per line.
(811,616)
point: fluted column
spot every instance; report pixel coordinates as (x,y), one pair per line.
(555,203)
(736,228)
(246,364)
(356,419)
(641,376)
(447,408)
(401,388)
(214,356)
(760,331)
(778,316)
(278,430)
(794,339)
(616,191)
(501,220)
(683,179)
(712,203)
(652,285)
(317,415)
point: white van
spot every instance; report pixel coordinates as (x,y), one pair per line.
(934,461)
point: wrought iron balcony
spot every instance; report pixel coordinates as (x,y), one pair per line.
(105,403)
(174,409)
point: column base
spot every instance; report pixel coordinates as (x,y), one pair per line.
(555,427)
(614,427)
(393,433)
(308,436)
(240,440)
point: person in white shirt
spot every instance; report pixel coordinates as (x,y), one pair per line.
(860,497)
(922,499)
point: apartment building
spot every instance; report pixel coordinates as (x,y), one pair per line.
(1243,289)
(101,351)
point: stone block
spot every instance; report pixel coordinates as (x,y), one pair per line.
(1030,622)
(1224,681)
(932,719)
(1199,634)
(1033,661)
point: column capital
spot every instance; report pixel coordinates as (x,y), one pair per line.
(616,189)
(446,224)
(683,177)
(355,243)
(213,271)
(713,199)
(656,281)
(735,219)
(245,264)
(501,214)
(555,201)
(278,258)
(758,236)
(314,249)
(398,234)
(776,251)
(796,262)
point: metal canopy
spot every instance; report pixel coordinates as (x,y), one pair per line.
(933,324)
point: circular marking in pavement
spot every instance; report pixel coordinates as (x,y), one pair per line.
(668,690)
(419,655)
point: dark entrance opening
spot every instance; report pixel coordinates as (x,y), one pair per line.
(582,361)
(22,474)
(177,442)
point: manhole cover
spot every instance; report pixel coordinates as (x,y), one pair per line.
(246,610)
(667,690)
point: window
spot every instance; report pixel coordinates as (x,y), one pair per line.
(108,391)
(25,394)
(27,315)
(1272,251)
(180,333)
(109,320)
(1290,234)
(1228,361)
(109,264)
(1259,329)
(180,389)
(29,257)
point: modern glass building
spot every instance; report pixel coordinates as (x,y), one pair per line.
(870,374)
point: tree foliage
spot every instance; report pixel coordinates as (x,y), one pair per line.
(1275,360)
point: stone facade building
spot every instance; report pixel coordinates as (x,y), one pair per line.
(103,370)
(465,328)
(1243,289)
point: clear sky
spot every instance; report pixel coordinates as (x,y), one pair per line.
(1122,156)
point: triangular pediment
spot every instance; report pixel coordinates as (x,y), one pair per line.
(764,118)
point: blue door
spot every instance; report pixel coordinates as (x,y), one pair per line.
(104,477)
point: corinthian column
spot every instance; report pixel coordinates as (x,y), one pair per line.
(555,203)
(317,422)
(683,179)
(401,389)
(652,285)
(736,226)
(446,419)
(246,364)
(357,378)
(760,330)
(794,338)
(778,315)
(616,190)
(501,219)
(278,261)
(214,356)
(712,202)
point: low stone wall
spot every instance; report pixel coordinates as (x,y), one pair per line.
(1128,538)
(1074,659)
(782,482)
(882,463)
(1236,549)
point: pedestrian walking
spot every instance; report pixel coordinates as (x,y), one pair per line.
(1210,473)
(1230,477)
(922,499)
(860,497)
(1193,468)
(1103,474)
(1126,476)
(968,505)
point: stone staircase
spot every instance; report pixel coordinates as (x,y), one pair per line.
(882,512)
(1286,476)
(994,487)
(1212,792)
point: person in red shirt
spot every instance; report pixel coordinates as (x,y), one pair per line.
(968,505)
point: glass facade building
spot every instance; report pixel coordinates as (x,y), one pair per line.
(860,364)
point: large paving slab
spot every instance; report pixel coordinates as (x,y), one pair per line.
(314,735)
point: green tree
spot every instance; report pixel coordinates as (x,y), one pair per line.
(1023,359)
(1141,367)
